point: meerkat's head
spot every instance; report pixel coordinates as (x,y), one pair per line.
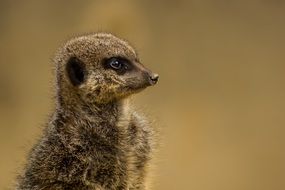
(100,68)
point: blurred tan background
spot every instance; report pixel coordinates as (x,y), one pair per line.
(220,100)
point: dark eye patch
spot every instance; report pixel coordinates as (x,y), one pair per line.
(75,71)
(118,64)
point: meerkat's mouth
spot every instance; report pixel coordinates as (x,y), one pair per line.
(135,89)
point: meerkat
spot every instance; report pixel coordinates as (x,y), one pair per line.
(94,140)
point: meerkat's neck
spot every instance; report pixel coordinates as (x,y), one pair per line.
(116,113)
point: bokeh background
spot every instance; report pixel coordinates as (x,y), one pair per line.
(220,101)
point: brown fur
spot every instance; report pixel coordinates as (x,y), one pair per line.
(94,140)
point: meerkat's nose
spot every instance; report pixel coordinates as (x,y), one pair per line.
(154,78)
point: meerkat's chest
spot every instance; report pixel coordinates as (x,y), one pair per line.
(117,157)
(107,157)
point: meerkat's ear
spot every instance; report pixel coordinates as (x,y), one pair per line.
(75,71)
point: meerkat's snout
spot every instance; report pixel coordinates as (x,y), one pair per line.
(149,77)
(153,78)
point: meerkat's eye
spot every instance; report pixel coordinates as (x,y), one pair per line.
(116,64)
(120,65)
